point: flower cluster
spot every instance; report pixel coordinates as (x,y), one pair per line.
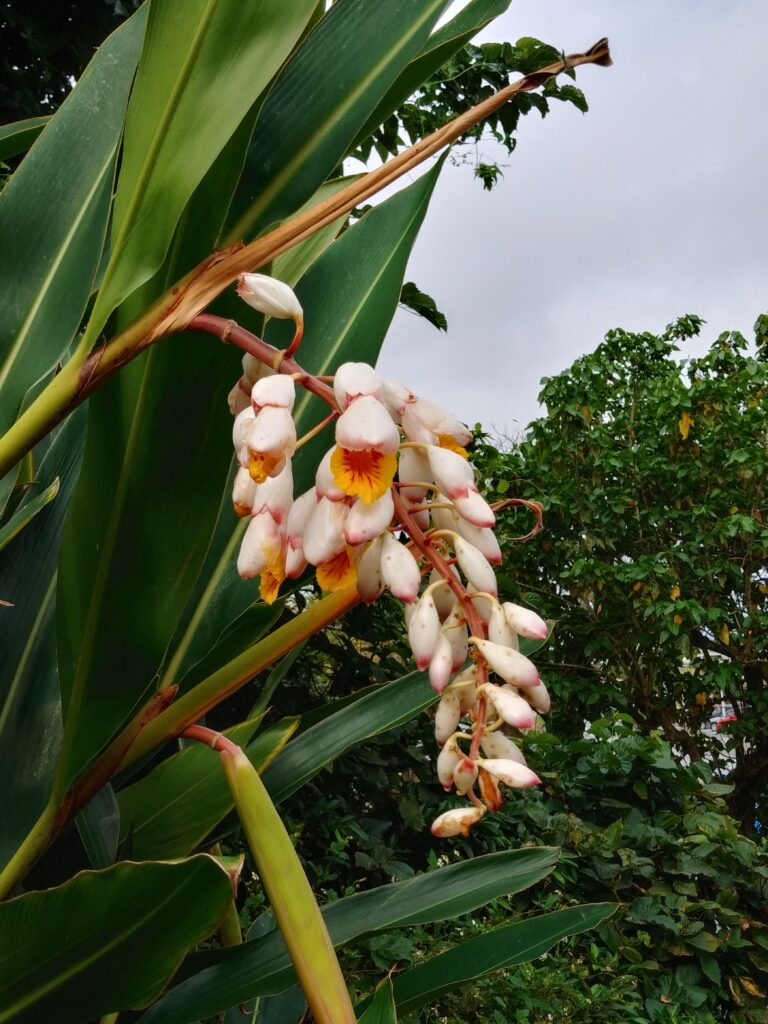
(394,506)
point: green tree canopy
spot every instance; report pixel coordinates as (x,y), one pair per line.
(652,475)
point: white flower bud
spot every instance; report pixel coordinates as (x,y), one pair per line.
(278,390)
(243,492)
(475,566)
(273,432)
(353,380)
(447,760)
(395,395)
(511,773)
(275,495)
(399,569)
(456,632)
(452,473)
(464,775)
(269,296)
(241,429)
(367,520)
(423,630)
(474,508)
(441,665)
(458,820)
(511,665)
(370,584)
(447,716)
(483,539)
(324,532)
(443,596)
(260,548)
(510,707)
(538,698)
(497,745)
(499,631)
(525,622)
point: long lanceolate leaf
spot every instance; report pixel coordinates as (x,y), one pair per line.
(204,65)
(30,710)
(503,947)
(262,966)
(53,219)
(106,940)
(310,116)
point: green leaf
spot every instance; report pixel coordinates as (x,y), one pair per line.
(441,45)
(382,1008)
(30,709)
(261,966)
(501,948)
(423,305)
(105,940)
(388,707)
(318,103)
(99,826)
(53,219)
(204,63)
(171,810)
(25,515)
(17,137)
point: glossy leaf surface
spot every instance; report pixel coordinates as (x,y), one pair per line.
(205,62)
(310,116)
(503,947)
(262,967)
(53,219)
(171,810)
(105,940)
(30,707)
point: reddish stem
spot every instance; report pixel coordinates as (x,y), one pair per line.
(212,739)
(231,333)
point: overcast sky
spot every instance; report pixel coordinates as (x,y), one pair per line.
(649,206)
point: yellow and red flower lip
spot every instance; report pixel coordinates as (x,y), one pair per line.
(366,474)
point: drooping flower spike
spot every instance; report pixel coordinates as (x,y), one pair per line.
(395,506)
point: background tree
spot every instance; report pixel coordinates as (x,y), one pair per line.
(653,561)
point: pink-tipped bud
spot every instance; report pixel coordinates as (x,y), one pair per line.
(457,821)
(474,508)
(441,665)
(367,520)
(423,630)
(510,707)
(452,473)
(525,622)
(447,760)
(499,630)
(447,716)
(511,665)
(511,773)
(475,566)
(483,539)
(399,569)
(464,775)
